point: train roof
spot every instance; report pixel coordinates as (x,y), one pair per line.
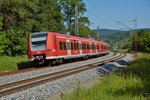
(65,35)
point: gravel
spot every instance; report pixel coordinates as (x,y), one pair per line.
(42,92)
(35,73)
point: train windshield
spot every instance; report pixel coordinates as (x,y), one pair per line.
(38,41)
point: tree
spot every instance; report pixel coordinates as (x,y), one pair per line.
(16,11)
(68,9)
(48,16)
(17,22)
(143,40)
(21,17)
(3,39)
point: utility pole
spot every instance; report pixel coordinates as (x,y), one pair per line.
(135,20)
(135,45)
(98,32)
(76,21)
(127,28)
(135,26)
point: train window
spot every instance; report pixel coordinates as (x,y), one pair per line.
(64,43)
(43,34)
(74,46)
(97,47)
(82,47)
(60,46)
(71,46)
(104,47)
(92,46)
(87,46)
(78,46)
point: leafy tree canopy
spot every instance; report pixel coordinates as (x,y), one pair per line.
(19,18)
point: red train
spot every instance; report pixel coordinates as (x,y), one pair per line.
(44,46)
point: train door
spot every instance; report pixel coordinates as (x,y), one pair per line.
(96,47)
(80,47)
(68,47)
(90,48)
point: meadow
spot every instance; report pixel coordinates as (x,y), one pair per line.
(132,83)
(8,63)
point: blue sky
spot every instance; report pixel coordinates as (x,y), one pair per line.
(106,13)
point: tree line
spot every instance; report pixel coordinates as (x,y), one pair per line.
(142,41)
(19,18)
(139,42)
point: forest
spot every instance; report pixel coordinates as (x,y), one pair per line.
(19,18)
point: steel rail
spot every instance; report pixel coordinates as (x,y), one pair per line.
(31,82)
(33,68)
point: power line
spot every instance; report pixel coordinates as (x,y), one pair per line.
(100,19)
(99,10)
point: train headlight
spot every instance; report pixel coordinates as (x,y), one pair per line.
(29,52)
(48,50)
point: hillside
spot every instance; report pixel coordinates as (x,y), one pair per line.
(106,32)
(117,38)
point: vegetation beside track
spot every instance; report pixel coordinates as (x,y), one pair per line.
(132,83)
(8,63)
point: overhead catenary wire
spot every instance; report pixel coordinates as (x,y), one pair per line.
(102,13)
(99,10)
(100,19)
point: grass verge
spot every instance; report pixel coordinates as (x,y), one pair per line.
(132,83)
(10,63)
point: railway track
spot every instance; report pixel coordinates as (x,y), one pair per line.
(31,69)
(10,88)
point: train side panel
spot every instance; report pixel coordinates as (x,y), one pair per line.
(54,45)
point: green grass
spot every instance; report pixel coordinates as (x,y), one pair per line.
(132,83)
(10,63)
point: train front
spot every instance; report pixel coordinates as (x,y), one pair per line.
(37,47)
